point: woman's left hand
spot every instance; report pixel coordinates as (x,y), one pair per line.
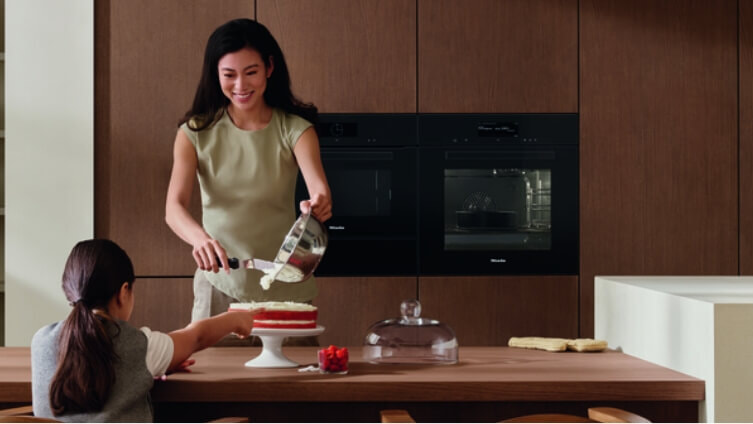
(319,205)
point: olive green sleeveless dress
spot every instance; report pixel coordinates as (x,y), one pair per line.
(247,180)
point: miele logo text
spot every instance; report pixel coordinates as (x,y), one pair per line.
(497,261)
(336,227)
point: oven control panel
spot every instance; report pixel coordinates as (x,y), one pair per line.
(497,129)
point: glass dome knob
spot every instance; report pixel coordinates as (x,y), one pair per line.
(410,308)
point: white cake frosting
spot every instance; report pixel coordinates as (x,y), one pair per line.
(269,276)
(274,306)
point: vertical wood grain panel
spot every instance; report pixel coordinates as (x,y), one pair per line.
(746,137)
(148,60)
(487,311)
(162,304)
(348,306)
(658,95)
(348,56)
(490,56)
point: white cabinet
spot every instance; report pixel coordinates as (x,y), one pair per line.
(2,172)
(697,325)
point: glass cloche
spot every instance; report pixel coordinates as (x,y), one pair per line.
(410,339)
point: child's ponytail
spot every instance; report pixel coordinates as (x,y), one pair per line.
(85,370)
(94,273)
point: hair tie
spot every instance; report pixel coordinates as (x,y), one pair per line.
(75,302)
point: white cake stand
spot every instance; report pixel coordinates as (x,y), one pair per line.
(271,352)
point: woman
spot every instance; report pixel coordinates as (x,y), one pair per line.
(245,138)
(94,366)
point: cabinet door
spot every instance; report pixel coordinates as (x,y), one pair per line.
(348,306)
(746,137)
(487,311)
(658,141)
(148,58)
(348,56)
(497,56)
(162,304)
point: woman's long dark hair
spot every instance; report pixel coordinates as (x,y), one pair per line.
(231,37)
(94,273)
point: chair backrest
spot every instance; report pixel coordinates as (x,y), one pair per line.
(25,419)
(548,418)
(22,414)
(601,414)
(395,416)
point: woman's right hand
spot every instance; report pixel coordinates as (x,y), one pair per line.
(210,255)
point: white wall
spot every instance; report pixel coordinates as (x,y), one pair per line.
(49,158)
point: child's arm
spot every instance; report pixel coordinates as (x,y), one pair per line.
(206,332)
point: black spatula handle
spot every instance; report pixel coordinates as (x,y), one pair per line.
(234,263)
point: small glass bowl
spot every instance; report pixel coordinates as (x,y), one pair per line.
(333,360)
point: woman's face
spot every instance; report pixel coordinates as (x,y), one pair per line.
(243,78)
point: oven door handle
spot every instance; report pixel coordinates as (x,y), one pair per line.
(499,155)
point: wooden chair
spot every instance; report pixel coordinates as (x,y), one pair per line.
(602,414)
(23,414)
(396,416)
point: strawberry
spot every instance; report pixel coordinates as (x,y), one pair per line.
(333,359)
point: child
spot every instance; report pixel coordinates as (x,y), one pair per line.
(94,366)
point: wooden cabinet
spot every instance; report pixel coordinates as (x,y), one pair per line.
(491,56)
(487,311)
(162,304)
(745,46)
(348,56)
(348,306)
(148,58)
(658,119)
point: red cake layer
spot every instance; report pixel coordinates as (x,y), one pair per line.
(288,315)
(276,315)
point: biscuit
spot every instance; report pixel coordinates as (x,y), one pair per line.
(586,345)
(549,344)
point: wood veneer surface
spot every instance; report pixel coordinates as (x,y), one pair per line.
(162,304)
(489,56)
(348,56)
(658,148)
(488,310)
(746,137)
(482,374)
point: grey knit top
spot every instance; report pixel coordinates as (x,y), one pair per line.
(129,399)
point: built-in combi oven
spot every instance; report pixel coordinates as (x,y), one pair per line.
(371,165)
(498,194)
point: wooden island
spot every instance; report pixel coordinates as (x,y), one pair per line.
(487,384)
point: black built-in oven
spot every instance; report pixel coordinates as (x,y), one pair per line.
(370,161)
(498,194)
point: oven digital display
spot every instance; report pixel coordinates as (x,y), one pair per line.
(497,129)
(337,129)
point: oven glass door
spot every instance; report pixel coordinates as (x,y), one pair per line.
(501,211)
(373,227)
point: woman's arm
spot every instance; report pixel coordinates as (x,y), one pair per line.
(309,160)
(206,250)
(206,332)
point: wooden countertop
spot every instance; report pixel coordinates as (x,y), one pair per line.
(482,374)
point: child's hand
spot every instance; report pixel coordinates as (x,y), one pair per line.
(183,367)
(244,322)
